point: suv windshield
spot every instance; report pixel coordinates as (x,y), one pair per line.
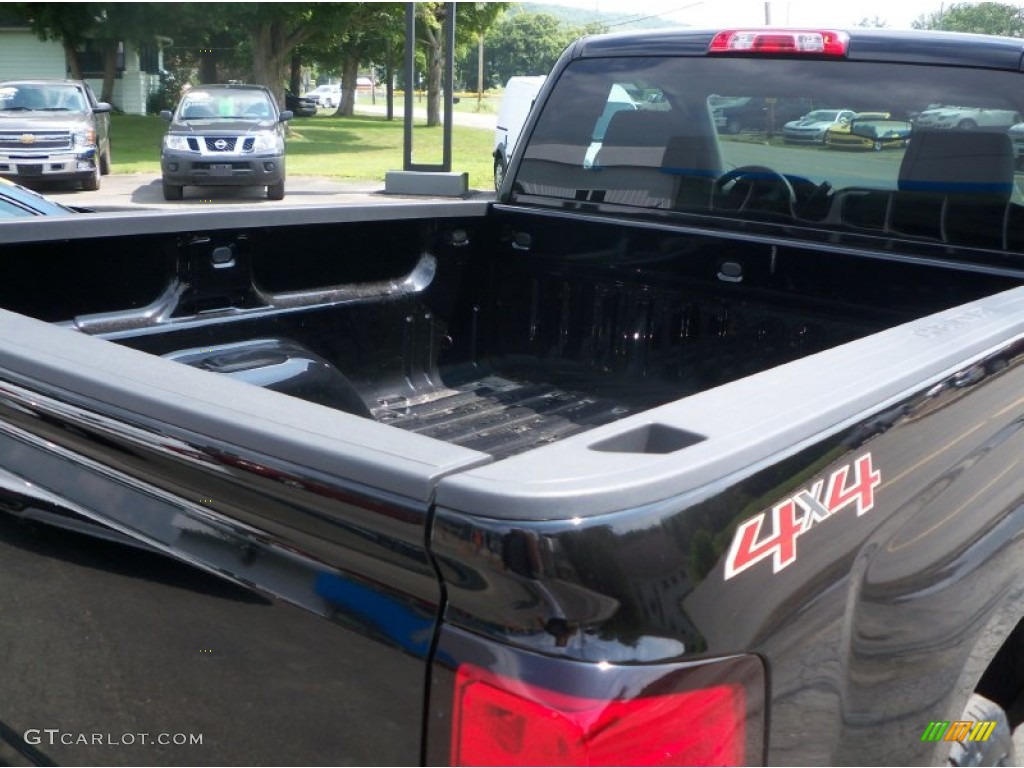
(226,103)
(897,162)
(23,97)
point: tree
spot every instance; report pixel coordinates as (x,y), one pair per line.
(527,44)
(984,18)
(430,31)
(115,23)
(208,39)
(478,18)
(276,30)
(471,19)
(107,24)
(272,33)
(66,23)
(360,32)
(874,23)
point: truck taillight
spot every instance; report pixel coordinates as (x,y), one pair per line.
(498,720)
(798,41)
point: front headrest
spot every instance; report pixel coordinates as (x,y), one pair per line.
(955,162)
(639,128)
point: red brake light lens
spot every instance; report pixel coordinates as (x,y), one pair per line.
(501,721)
(796,41)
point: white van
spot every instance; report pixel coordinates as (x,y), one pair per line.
(519,95)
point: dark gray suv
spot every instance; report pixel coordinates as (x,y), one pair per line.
(224,135)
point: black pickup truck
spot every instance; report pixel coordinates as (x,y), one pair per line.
(688,449)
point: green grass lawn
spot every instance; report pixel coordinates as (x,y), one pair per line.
(354,148)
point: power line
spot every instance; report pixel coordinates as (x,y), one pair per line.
(653,15)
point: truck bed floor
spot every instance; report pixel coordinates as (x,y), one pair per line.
(501,416)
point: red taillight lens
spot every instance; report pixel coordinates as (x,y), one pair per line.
(804,41)
(501,721)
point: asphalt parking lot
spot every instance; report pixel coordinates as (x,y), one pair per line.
(142,191)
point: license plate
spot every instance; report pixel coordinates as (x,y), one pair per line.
(221,169)
(30,170)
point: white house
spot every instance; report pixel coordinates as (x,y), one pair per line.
(23,55)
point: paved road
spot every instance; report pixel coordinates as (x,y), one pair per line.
(142,190)
(135,191)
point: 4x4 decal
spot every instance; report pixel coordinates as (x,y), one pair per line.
(796,515)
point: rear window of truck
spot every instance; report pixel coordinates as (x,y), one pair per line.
(916,152)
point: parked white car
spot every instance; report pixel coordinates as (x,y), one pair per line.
(812,127)
(966,118)
(327,96)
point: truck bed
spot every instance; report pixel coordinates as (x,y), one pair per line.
(515,335)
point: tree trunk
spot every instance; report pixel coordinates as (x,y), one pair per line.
(268,63)
(349,75)
(296,75)
(434,72)
(109,71)
(433,37)
(272,46)
(74,67)
(208,67)
(389,86)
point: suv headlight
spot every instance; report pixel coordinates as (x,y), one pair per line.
(268,142)
(176,143)
(84,137)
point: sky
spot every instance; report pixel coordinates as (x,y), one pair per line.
(898,14)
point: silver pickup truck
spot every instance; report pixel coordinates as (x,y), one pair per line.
(53,129)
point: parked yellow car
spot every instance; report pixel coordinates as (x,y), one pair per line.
(869,130)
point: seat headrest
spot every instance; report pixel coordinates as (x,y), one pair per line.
(639,128)
(958,163)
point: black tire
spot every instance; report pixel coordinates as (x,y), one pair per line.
(877,146)
(105,162)
(997,749)
(499,173)
(967,125)
(91,183)
(173,191)
(275,191)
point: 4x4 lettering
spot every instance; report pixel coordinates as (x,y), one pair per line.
(748,548)
(796,515)
(811,501)
(862,491)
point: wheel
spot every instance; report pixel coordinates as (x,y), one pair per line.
(275,191)
(105,162)
(967,125)
(173,191)
(753,186)
(996,749)
(499,173)
(877,146)
(92,182)
(329,104)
